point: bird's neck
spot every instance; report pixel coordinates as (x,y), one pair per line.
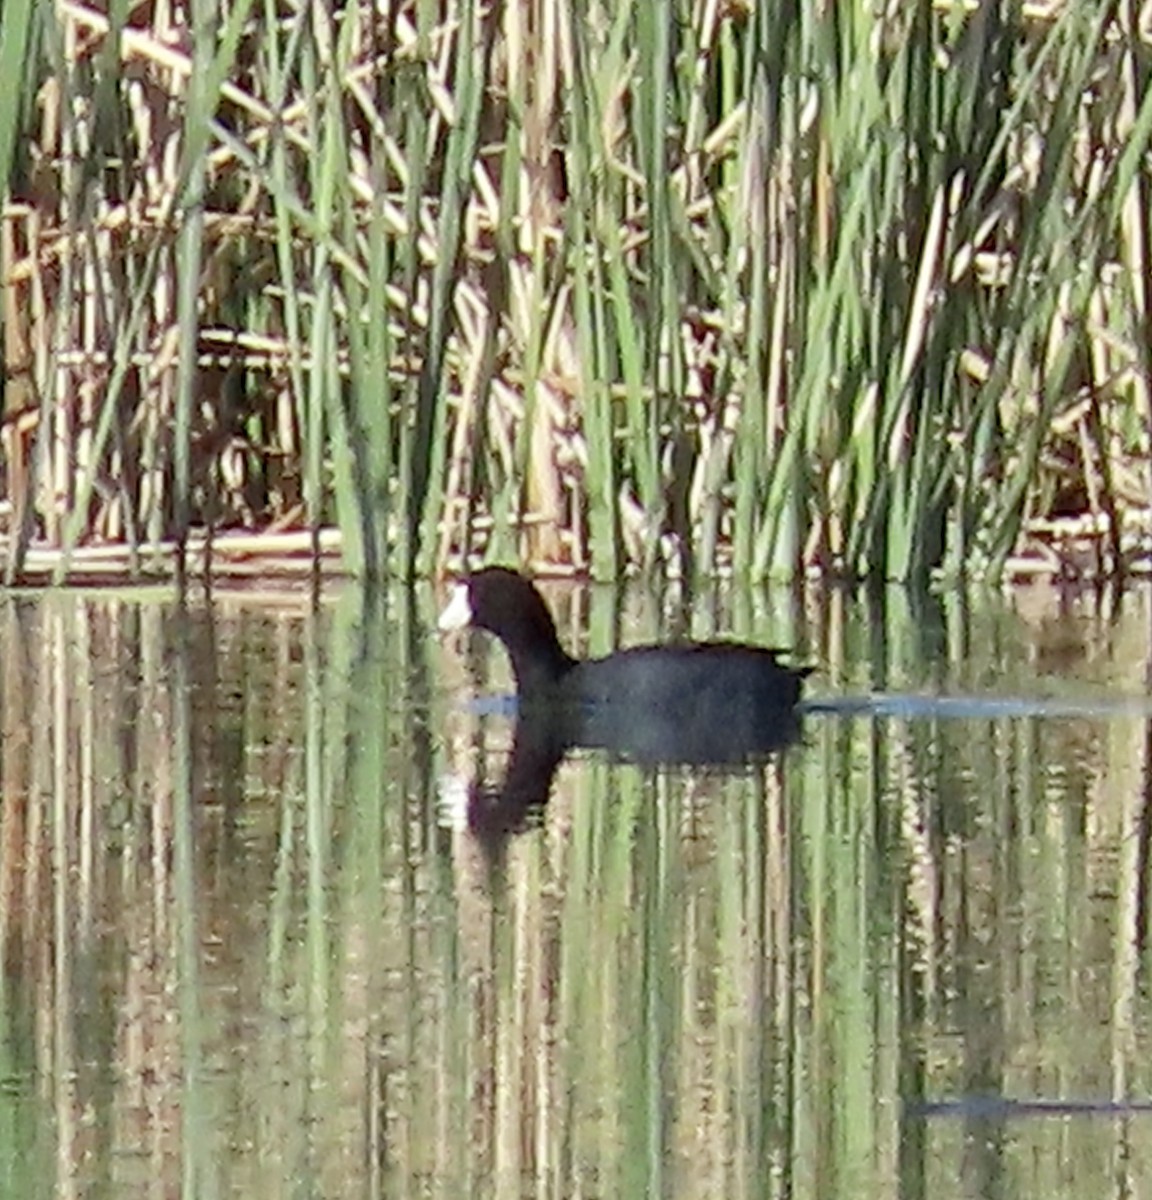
(537,673)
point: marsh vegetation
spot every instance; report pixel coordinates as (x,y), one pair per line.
(687,284)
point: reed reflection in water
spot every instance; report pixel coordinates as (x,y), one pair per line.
(244,955)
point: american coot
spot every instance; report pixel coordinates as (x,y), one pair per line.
(688,702)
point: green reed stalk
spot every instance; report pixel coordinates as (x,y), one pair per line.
(407,89)
(316,66)
(201,103)
(17,61)
(586,164)
(509,273)
(476,33)
(344,441)
(372,347)
(762,360)
(651,357)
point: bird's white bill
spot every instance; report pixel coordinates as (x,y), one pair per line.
(457,612)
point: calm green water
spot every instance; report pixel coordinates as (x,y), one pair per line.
(246,953)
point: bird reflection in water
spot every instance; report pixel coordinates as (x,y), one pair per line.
(500,804)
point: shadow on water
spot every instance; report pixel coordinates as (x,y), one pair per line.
(243,955)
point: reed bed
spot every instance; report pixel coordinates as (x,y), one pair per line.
(685,285)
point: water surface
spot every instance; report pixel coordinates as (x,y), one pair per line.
(249,952)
